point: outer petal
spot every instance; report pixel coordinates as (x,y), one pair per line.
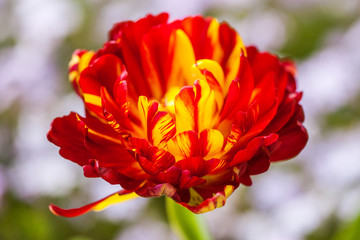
(284,113)
(95,130)
(99,205)
(262,63)
(94,170)
(218,200)
(292,137)
(115,157)
(103,72)
(64,133)
(134,30)
(130,35)
(79,61)
(252,148)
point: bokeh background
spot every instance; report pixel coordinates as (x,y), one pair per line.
(315,196)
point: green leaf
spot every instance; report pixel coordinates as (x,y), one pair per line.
(186,224)
(350,231)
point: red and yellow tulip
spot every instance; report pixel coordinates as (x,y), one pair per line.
(181,109)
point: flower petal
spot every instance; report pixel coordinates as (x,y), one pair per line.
(116,116)
(195,108)
(252,148)
(99,205)
(216,41)
(80,60)
(152,159)
(239,92)
(184,145)
(167,58)
(218,200)
(103,72)
(131,35)
(212,72)
(211,143)
(162,129)
(138,28)
(64,133)
(293,138)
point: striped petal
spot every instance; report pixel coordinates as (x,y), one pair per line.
(206,205)
(162,129)
(216,41)
(207,144)
(103,72)
(195,108)
(167,58)
(184,145)
(79,61)
(99,205)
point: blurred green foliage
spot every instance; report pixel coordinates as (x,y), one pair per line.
(345,116)
(307,32)
(31,220)
(8,124)
(349,231)
(326,230)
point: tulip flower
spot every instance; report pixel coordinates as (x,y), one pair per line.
(180,109)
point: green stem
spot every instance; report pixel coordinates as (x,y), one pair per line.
(186,224)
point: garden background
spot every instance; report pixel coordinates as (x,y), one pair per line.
(315,196)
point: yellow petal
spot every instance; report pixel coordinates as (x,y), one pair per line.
(195,108)
(183,60)
(212,142)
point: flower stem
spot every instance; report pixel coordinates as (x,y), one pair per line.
(185,224)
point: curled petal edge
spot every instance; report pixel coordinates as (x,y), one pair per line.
(210,204)
(99,205)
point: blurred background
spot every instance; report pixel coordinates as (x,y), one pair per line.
(315,196)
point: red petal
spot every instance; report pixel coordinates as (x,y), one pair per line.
(120,196)
(293,138)
(252,148)
(283,115)
(239,92)
(261,63)
(152,159)
(139,28)
(80,60)
(103,72)
(212,40)
(131,35)
(65,134)
(116,117)
(167,58)
(116,157)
